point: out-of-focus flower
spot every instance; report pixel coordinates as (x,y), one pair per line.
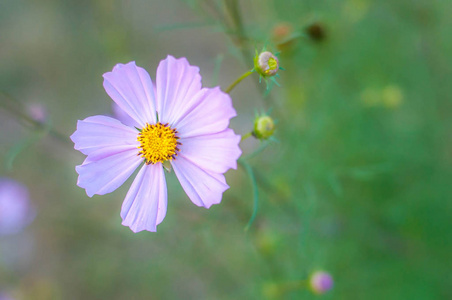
(284,36)
(316,32)
(179,120)
(281,32)
(16,211)
(37,112)
(392,96)
(264,127)
(321,282)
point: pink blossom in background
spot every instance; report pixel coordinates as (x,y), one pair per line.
(5,296)
(16,211)
(37,112)
(321,282)
(178,122)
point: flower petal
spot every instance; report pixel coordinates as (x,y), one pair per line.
(145,204)
(131,88)
(177,83)
(216,152)
(98,132)
(106,169)
(209,112)
(204,188)
(123,117)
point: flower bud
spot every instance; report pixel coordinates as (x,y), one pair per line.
(321,282)
(316,32)
(266,64)
(264,127)
(284,37)
(37,112)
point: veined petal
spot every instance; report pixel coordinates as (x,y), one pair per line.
(204,188)
(131,88)
(216,152)
(98,132)
(106,169)
(145,204)
(209,112)
(177,83)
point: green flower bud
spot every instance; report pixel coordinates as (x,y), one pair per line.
(266,64)
(264,127)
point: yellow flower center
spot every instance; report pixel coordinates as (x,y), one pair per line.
(158,143)
(272,65)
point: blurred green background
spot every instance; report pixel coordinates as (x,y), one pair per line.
(358,184)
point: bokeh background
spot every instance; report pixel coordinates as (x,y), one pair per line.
(357,183)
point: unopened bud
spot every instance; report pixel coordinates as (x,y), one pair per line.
(264,127)
(316,32)
(266,64)
(284,36)
(37,112)
(321,282)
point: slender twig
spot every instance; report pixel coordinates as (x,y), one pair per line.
(250,172)
(245,136)
(30,121)
(232,86)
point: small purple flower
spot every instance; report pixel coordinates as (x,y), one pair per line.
(178,121)
(37,112)
(321,282)
(15,208)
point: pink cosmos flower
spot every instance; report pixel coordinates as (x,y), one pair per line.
(179,121)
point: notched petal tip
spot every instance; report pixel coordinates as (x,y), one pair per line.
(136,229)
(119,66)
(145,204)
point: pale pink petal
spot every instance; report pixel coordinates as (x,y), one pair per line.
(204,188)
(98,132)
(176,84)
(106,169)
(131,88)
(145,204)
(216,152)
(209,112)
(124,118)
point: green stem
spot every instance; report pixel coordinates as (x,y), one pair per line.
(232,86)
(245,136)
(28,120)
(250,172)
(256,152)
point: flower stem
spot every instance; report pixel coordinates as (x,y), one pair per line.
(232,86)
(250,172)
(29,121)
(247,135)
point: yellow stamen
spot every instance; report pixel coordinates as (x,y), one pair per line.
(158,143)
(272,64)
